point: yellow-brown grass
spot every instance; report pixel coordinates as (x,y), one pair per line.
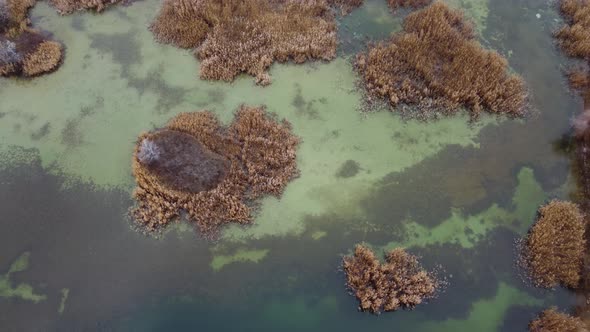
(436,64)
(65,7)
(551,320)
(400,282)
(262,158)
(574,37)
(27,51)
(555,245)
(236,36)
(44,59)
(18,12)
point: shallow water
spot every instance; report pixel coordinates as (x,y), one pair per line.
(457,193)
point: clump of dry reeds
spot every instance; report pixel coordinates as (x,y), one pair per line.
(436,64)
(24,50)
(399,282)
(346,6)
(552,320)
(231,166)
(234,37)
(414,4)
(574,37)
(555,246)
(65,7)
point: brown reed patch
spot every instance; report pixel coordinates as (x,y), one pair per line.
(65,7)
(552,320)
(23,50)
(253,157)
(414,4)
(399,282)
(44,59)
(574,37)
(437,65)
(554,248)
(17,12)
(233,37)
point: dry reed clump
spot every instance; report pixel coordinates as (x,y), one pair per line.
(436,64)
(44,59)
(234,37)
(414,4)
(15,15)
(65,7)
(232,166)
(574,37)
(551,320)
(555,246)
(399,282)
(24,50)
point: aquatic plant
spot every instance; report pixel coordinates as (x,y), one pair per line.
(399,282)
(24,50)
(555,245)
(211,172)
(414,4)
(574,37)
(45,58)
(234,37)
(65,7)
(346,6)
(552,320)
(436,65)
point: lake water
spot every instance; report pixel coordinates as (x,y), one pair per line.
(459,194)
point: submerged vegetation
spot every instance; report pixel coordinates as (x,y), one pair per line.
(436,65)
(400,282)
(24,50)
(234,37)
(414,4)
(556,244)
(552,320)
(212,173)
(23,291)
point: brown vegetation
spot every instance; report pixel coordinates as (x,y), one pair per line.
(551,320)
(24,50)
(436,64)
(44,59)
(399,282)
(235,37)
(65,7)
(574,37)
(231,166)
(555,245)
(414,4)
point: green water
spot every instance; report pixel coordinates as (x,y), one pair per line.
(457,193)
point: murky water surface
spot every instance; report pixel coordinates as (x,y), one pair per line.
(457,193)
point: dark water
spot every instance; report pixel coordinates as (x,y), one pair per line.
(119,280)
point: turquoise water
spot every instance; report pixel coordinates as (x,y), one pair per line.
(457,193)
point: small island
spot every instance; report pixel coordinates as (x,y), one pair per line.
(436,66)
(235,37)
(399,282)
(212,174)
(555,246)
(552,320)
(25,51)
